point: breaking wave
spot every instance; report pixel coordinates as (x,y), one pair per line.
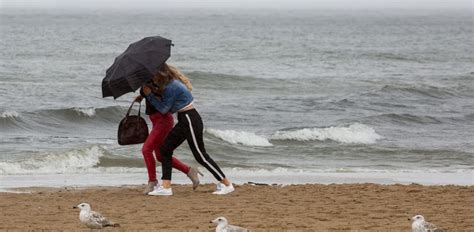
(10,119)
(9,114)
(240,137)
(68,162)
(88,112)
(355,133)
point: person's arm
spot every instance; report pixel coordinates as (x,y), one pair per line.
(167,99)
(140,97)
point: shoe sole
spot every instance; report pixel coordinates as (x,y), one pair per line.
(160,194)
(217,193)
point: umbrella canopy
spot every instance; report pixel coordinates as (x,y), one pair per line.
(135,66)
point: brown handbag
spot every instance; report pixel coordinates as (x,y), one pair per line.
(132,129)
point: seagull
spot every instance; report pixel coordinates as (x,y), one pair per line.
(223,226)
(420,225)
(92,219)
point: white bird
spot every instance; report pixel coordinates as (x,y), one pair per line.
(420,225)
(223,226)
(92,219)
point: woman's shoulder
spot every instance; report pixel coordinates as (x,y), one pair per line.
(177,84)
(173,86)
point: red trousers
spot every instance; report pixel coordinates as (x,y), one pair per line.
(162,125)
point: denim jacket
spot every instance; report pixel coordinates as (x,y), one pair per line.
(175,96)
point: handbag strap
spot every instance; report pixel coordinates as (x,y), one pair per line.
(130,108)
(139,109)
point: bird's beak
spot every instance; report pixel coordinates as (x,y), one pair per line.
(409,219)
(75,207)
(210,221)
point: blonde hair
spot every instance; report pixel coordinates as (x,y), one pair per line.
(168,73)
(180,76)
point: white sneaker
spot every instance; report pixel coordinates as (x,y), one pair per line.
(219,186)
(224,189)
(160,191)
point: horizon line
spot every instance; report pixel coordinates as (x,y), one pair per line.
(231,8)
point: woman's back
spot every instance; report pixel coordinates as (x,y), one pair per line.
(175,96)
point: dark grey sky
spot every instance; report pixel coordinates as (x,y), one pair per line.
(147,4)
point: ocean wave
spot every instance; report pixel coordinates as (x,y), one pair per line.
(404,119)
(75,113)
(426,91)
(88,112)
(68,162)
(393,56)
(222,82)
(37,120)
(9,115)
(10,120)
(356,133)
(240,137)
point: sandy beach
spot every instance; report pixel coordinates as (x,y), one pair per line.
(312,207)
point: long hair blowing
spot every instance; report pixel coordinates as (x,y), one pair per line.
(168,73)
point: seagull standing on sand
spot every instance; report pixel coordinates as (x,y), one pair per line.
(223,226)
(420,225)
(92,219)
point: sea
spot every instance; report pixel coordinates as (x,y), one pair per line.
(286,96)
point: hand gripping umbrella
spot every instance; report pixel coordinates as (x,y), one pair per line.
(135,66)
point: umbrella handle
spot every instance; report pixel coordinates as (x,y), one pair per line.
(130,108)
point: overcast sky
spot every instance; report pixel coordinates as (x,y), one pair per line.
(321,4)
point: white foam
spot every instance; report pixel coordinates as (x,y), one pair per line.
(355,133)
(89,112)
(240,137)
(280,176)
(334,175)
(9,114)
(68,162)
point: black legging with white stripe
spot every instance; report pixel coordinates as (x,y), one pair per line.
(190,128)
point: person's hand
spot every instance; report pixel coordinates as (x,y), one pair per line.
(138,98)
(146,90)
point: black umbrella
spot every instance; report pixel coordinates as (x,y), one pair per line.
(137,65)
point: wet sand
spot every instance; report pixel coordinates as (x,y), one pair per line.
(313,207)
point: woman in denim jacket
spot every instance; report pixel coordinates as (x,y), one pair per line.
(176,98)
(161,126)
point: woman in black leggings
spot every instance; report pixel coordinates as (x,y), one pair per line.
(175,97)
